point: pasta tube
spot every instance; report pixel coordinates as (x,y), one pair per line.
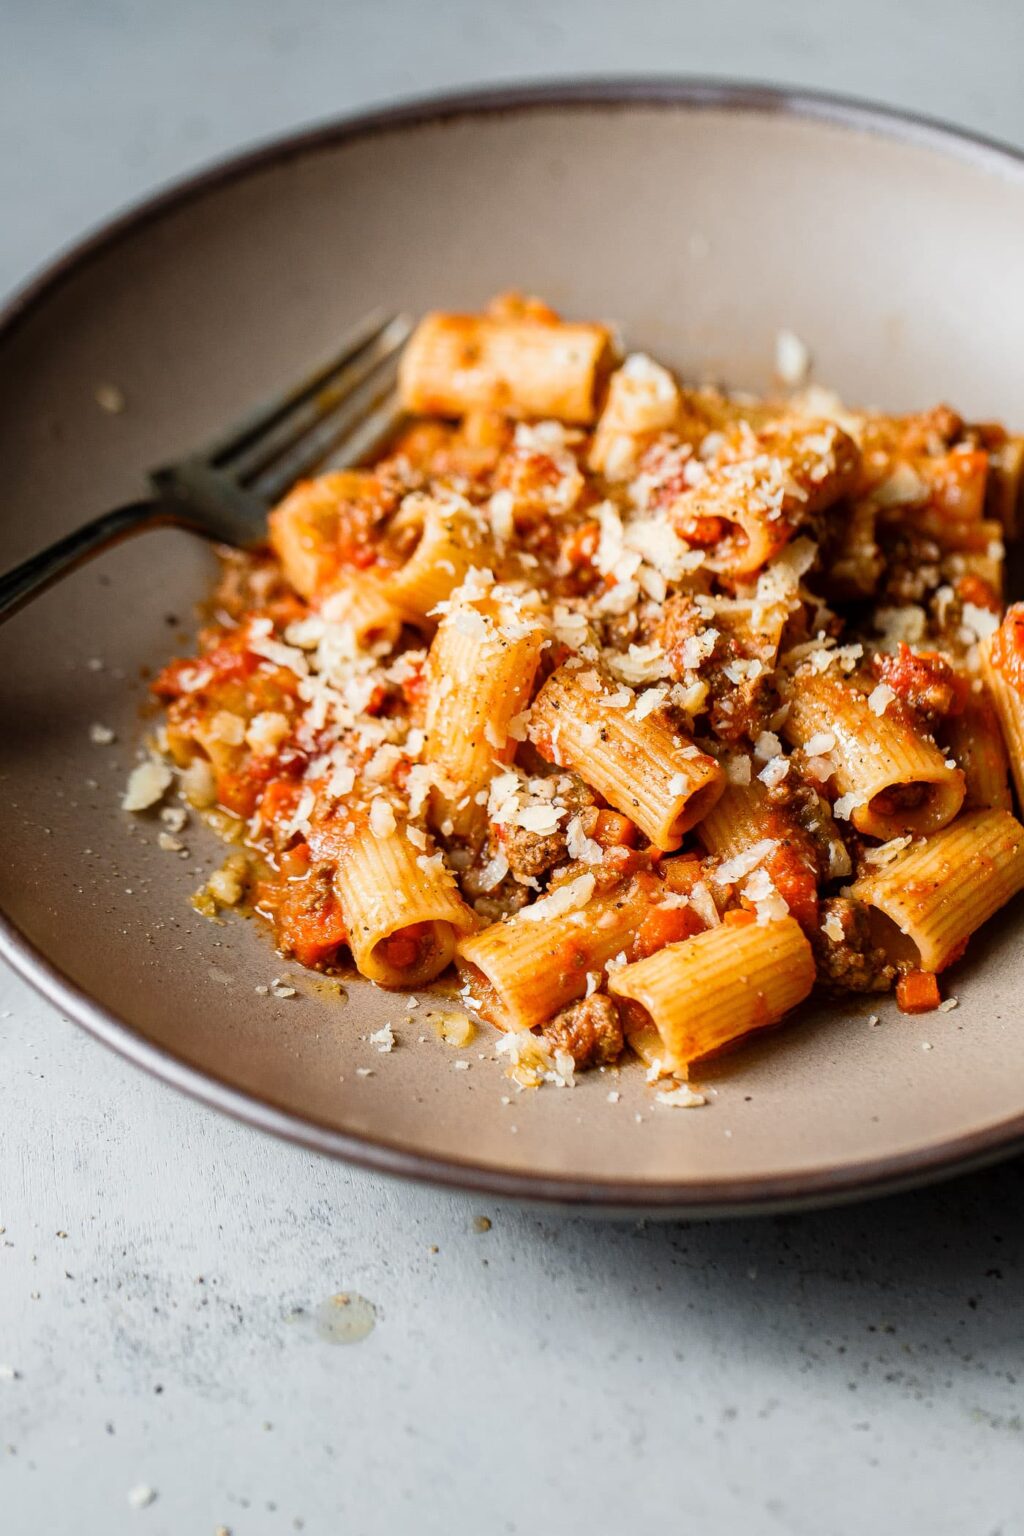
(763,488)
(736,821)
(716,987)
(975,741)
(305,527)
(647,769)
(890,779)
(454,364)
(359,601)
(452,538)
(1002,667)
(936,895)
(521,971)
(643,398)
(401,906)
(480,671)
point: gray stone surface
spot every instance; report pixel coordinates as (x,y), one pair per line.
(163,1271)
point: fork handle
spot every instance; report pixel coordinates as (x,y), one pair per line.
(25,581)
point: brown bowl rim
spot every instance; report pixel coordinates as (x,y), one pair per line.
(719,1197)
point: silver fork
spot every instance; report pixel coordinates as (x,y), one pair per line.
(332,418)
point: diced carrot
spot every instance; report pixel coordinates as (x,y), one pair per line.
(294,862)
(613,830)
(796,884)
(580,546)
(681,873)
(958,483)
(661,926)
(309,925)
(975,589)
(739,917)
(917,992)
(403,948)
(279,800)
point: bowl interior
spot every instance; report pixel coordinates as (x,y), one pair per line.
(701,229)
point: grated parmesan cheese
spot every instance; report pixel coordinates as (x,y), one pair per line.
(792,359)
(880,698)
(745,862)
(565,898)
(383,1039)
(147,785)
(382,819)
(682,1097)
(833,928)
(885,853)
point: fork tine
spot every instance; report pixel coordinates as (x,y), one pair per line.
(266,416)
(340,438)
(302,422)
(367,435)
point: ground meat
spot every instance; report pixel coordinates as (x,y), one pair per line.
(247,580)
(827,837)
(913,565)
(741,711)
(589,1030)
(531,854)
(924,681)
(680,621)
(738,711)
(852,963)
(501,901)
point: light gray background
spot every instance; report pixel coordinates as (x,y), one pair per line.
(160,1268)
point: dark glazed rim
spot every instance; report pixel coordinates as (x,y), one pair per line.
(722,1197)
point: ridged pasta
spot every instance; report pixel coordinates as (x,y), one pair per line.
(480,670)
(643,398)
(359,600)
(898,781)
(647,769)
(453,538)
(523,367)
(1009,707)
(736,821)
(938,894)
(760,499)
(975,741)
(522,971)
(401,906)
(712,989)
(304,527)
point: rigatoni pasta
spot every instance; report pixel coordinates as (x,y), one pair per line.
(520,366)
(521,972)
(937,894)
(716,987)
(480,672)
(643,707)
(402,908)
(975,743)
(647,768)
(1003,670)
(891,779)
(451,540)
